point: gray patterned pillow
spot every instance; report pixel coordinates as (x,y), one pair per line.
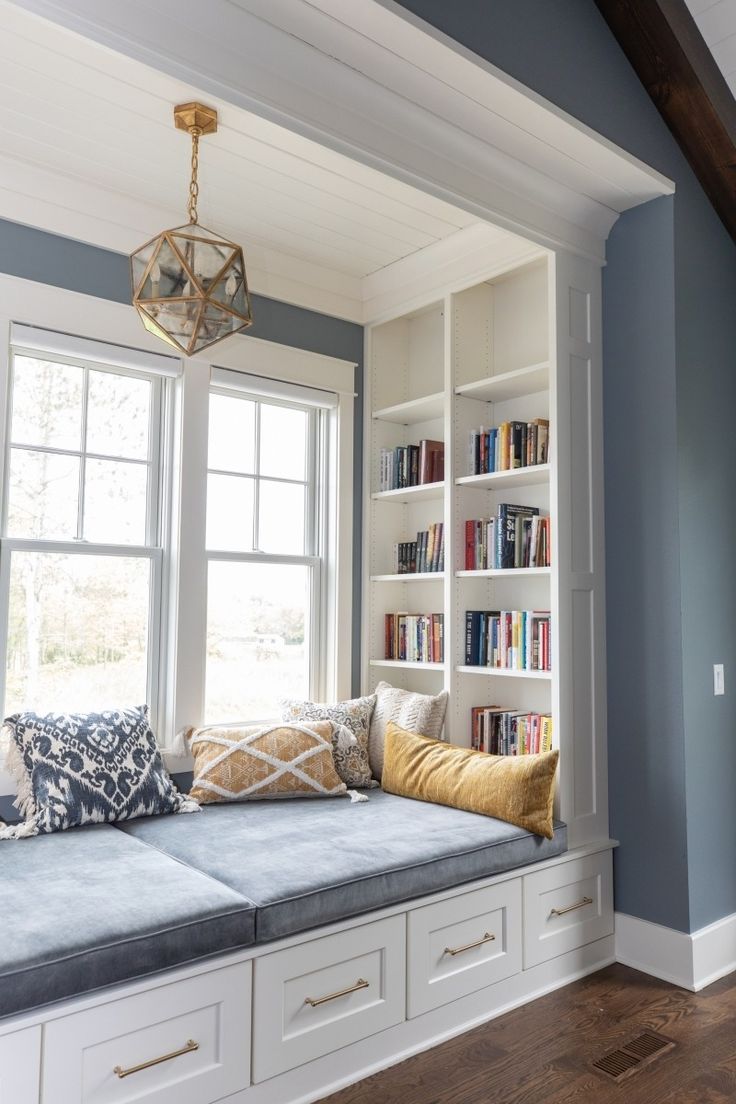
(420,713)
(351,760)
(87,768)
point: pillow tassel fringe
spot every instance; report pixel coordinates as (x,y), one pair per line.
(24,800)
(356,798)
(189,805)
(18,831)
(344,737)
(180,746)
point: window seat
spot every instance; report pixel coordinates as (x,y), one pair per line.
(307,862)
(90,907)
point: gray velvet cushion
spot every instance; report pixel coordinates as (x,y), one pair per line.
(311,862)
(89,907)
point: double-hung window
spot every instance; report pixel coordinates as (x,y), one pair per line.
(82,550)
(266,543)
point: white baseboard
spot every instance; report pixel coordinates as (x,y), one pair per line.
(714,951)
(691,961)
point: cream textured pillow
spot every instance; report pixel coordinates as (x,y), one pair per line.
(264,761)
(420,713)
(355,715)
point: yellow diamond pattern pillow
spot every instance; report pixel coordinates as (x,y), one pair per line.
(280,760)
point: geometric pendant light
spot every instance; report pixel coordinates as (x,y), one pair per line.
(189,284)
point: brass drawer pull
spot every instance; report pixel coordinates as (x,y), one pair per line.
(361,983)
(487,938)
(571,908)
(189,1048)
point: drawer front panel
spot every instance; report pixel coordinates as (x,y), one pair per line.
(20,1066)
(320,996)
(567,906)
(184,1043)
(463,944)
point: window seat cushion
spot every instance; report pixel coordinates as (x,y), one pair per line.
(89,907)
(309,862)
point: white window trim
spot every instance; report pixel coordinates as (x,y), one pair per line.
(61,347)
(184,621)
(269,362)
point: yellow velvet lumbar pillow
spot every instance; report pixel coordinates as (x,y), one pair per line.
(519,789)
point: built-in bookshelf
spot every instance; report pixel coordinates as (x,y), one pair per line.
(515,352)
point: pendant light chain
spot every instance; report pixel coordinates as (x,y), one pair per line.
(194,183)
(189,283)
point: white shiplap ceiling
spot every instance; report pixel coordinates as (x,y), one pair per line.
(88,149)
(716,20)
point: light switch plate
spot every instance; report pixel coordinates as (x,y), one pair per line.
(718,684)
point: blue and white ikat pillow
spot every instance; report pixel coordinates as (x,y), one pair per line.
(87,768)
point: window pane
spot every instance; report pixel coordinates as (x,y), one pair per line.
(42,495)
(283,442)
(281,518)
(47,403)
(257,634)
(115,502)
(77,632)
(229,513)
(118,412)
(232,434)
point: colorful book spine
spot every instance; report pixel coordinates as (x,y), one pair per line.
(414,637)
(503,731)
(507,446)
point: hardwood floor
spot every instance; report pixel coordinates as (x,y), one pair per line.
(541,1053)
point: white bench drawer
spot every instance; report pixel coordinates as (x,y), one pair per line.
(20,1066)
(463,944)
(84,1052)
(315,998)
(566,906)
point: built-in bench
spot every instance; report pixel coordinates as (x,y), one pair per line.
(97,905)
(267,953)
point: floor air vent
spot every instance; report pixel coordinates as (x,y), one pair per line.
(633,1056)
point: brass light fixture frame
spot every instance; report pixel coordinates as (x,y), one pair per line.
(197,119)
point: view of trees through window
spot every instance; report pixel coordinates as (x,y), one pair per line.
(260,510)
(82,559)
(80,527)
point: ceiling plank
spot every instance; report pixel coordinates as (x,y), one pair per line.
(673,62)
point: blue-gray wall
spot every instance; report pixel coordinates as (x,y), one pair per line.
(51,259)
(670,459)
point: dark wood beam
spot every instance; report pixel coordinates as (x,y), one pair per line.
(665,47)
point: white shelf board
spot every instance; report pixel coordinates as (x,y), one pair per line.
(406,663)
(503,572)
(414,410)
(508,385)
(503,672)
(512,477)
(411,494)
(408,577)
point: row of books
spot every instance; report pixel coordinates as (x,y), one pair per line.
(516,537)
(518,640)
(510,445)
(412,465)
(426,553)
(502,731)
(415,637)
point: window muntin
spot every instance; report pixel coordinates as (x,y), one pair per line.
(81,566)
(265,548)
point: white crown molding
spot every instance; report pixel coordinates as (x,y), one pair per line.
(365,78)
(475,253)
(691,961)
